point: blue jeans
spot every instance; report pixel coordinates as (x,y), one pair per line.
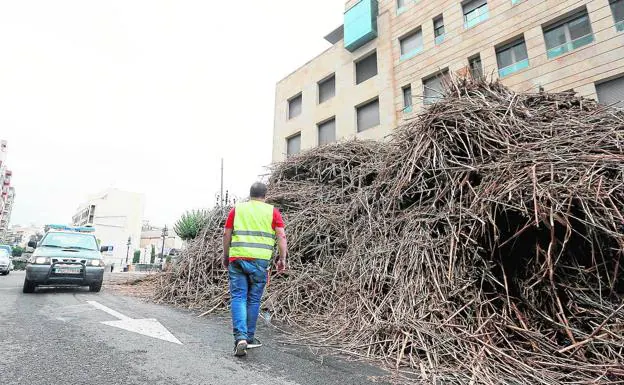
(247,282)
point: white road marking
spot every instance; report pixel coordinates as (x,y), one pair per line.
(108,310)
(149,327)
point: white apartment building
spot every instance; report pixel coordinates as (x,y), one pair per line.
(21,235)
(153,236)
(7,193)
(117,217)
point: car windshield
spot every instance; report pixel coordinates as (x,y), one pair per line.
(4,255)
(70,241)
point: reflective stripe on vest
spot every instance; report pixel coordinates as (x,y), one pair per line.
(253,235)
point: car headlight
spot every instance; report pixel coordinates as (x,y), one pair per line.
(97,262)
(42,261)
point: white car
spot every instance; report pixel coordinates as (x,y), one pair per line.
(6,264)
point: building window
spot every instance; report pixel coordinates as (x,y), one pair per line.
(433,87)
(411,44)
(368,115)
(475,12)
(294,106)
(293,145)
(514,2)
(438,29)
(401,6)
(327,132)
(476,67)
(568,34)
(617,7)
(611,93)
(366,68)
(91,213)
(407,99)
(327,89)
(512,57)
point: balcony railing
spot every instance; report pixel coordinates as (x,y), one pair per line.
(412,53)
(506,71)
(570,46)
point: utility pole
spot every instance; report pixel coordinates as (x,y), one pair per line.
(221,196)
(165,232)
(128,249)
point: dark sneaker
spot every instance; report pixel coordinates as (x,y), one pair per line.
(241,348)
(255,343)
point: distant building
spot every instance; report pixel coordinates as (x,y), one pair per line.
(152,236)
(388,59)
(7,193)
(21,235)
(117,217)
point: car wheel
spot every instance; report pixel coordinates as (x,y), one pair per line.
(29,286)
(95,287)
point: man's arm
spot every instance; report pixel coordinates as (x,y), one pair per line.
(282,247)
(227,237)
(227,240)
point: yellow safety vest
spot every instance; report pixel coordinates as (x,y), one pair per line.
(253,235)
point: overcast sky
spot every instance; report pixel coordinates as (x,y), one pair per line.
(145,96)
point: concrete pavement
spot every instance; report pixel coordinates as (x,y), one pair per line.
(57,336)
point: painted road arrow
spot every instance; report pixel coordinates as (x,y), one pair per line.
(148,327)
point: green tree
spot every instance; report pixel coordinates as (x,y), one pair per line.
(17,251)
(137,257)
(190,224)
(153,255)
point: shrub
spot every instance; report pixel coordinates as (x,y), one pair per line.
(137,257)
(190,224)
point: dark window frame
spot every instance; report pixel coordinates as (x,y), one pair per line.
(361,106)
(290,101)
(323,124)
(363,59)
(320,85)
(288,139)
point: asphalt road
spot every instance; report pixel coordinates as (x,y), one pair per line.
(57,336)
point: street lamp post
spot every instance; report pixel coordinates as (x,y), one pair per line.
(165,232)
(128,249)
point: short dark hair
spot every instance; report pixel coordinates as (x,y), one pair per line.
(258,190)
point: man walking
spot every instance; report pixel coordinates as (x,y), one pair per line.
(248,241)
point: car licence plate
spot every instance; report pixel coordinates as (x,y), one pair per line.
(67,270)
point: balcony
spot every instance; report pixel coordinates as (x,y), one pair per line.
(360,24)
(513,68)
(570,46)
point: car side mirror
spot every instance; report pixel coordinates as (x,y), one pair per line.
(32,244)
(103,249)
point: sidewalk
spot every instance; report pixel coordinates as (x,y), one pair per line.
(119,278)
